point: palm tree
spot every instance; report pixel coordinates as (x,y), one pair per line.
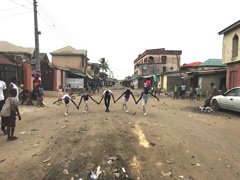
(103,65)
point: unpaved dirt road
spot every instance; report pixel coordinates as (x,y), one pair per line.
(185,143)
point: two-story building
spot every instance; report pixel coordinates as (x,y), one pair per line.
(231,53)
(70,67)
(157,61)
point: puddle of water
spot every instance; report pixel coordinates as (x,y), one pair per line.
(142,139)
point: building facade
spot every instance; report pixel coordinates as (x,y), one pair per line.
(231,53)
(70,58)
(157,61)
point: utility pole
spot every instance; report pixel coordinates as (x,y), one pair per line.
(36,35)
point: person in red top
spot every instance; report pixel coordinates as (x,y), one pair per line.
(36,83)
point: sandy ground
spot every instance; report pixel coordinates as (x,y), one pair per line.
(174,141)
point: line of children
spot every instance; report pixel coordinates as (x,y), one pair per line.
(107,98)
(144,96)
(126,95)
(85,97)
(66,99)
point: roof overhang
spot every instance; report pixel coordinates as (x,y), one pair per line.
(230,28)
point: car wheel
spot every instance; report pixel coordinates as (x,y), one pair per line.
(215,105)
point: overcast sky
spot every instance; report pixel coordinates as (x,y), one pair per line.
(120,30)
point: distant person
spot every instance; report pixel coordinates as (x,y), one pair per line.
(66,99)
(86,97)
(144,97)
(126,95)
(3,96)
(192,90)
(107,97)
(13,85)
(176,91)
(10,121)
(198,92)
(223,89)
(36,83)
(41,89)
(213,92)
(60,92)
(183,90)
(159,89)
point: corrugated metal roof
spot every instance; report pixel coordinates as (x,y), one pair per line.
(213,62)
(193,64)
(6,61)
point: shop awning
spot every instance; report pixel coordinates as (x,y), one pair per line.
(135,77)
(79,73)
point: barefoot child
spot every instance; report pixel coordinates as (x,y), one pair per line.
(60,93)
(66,99)
(85,97)
(144,97)
(107,97)
(9,111)
(126,95)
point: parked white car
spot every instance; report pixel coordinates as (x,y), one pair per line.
(229,100)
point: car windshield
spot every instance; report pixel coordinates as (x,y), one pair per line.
(234,92)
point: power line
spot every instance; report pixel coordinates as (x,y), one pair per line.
(52,26)
(56,24)
(15,15)
(11,8)
(20,4)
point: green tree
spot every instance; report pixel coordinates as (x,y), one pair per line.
(103,65)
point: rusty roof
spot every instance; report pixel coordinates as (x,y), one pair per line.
(5,61)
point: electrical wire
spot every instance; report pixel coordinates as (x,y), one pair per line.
(52,29)
(11,8)
(20,4)
(56,30)
(56,24)
(14,15)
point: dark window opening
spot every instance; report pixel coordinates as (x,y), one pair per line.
(150,59)
(235,46)
(164,59)
(164,69)
(83,63)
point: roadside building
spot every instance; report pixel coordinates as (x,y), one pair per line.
(70,67)
(155,62)
(231,53)
(8,69)
(211,70)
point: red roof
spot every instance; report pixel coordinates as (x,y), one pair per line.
(191,64)
(6,61)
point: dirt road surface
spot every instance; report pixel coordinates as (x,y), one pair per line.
(174,141)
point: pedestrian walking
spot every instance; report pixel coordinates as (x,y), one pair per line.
(126,95)
(107,97)
(66,99)
(198,91)
(144,96)
(85,98)
(3,95)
